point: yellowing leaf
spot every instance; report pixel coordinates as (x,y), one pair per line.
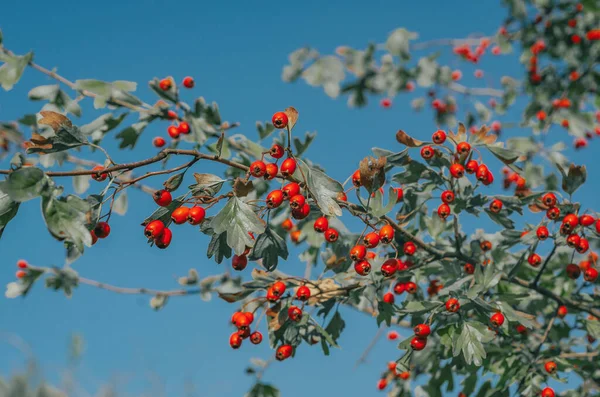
(407,140)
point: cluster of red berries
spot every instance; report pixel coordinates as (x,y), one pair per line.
(465,51)
(419,341)
(182,127)
(511,178)
(157,231)
(23,266)
(167,83)
(101,230)
(242,321)
(385,235)
(390,374)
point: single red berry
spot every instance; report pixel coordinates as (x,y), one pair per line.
(388,297)
(382,384)
(256,337)
(102,230)
(290,190)
(297,201)
(457,170)
(399,193)
(371,240)
(386,234)
(590,275)
(239,262)
(196,215)
(550,367)
(411,287)
(162,198)
(418,343)
(358,253)
(534,260)
(288,167)
(371,255)
(184,127)
(188,82)
(20,273)
(573,240)
(541,115)
(404,375)
(287,225)
(399,288)
(496,126)
(553,213)
(331,235)
(386,103)
(180,215)
(409,248)
(274,199)
(295,313)
(573,271)
(235,340)
(165,84)
(521,329)
(583,246)
(471,167)
(276,151)
(586,220)
(570,222)
(443,211)
(549,199)
(154,229)
(542,233)
(548,392)
(562,311)
(171,115)
(278,288)
(422,330)
(258,169)
(447,196)
(301,213)
(584,265)
(427,152)
(456,75)
(485,245)
(469,268)
(303,293)
(321,224)
(164,240)
(356,178)
(280,120)
(22,264)
(482,172)
(389,267)
(363,268)
(496,206)
(173,131)
(159,142)
(283,352)
(99,177)
(497,319)
(452,305)
(463,148)
(341,196)
(576,39)
(438,137)
(94,237)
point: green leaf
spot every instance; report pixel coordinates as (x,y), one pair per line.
(268,247)
(218,247)
(264,131)
(174,181)
(238,220)
(263,390)
(325,335)
(206,185)
(470,342)
(106,92)
(398,42)
(63,279)
(336,326)
(574,178)
(66,219)
(385,311)
(164,213)
(593,327)
(121,203)
(130,135)
(416,307)
(44,92)
(500,218)
(12,69)
(323,189)
(25,184)
(302,146)
(507,156)
(8,210)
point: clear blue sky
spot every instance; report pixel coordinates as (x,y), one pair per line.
(235,50)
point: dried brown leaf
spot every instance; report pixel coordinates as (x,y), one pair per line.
(372,172)
(292,115)
(241,187)
(407,140)
(483,136)
(54,120)
(461,134)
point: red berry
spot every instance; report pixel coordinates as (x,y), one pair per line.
(94,237)
(321,224)
(303,293)
(20,273)
(482,172)
(99,177)
(331,235)
(274,199)
(171,115)
(184,127)
(165,84)
(478,73)
(389,267)
(553,213)
(280,120)
(188,82)
(196,215)
(485,245)
(541,115)
(399,193)
(590,275)
(550,367)
(418,343)
(388,297)
(399,288)
(256,338)
(496,206)
(409,248)
(456,75)
(386,103)
(22,264)
(162,198)
(102,230)
(422,330)
(276,151)
(278,288)
(287,225)
(452,305)
(358,253)
(497,319)
(471,167)
(542,233)
(583,246)
(521,329)
(363,267)
(371,240)
(573,240)
(295,313)
(235,340)
(573,271)
(447,196)
(297,201)
(457,170)
(288,167)
(258,169)
(159,142)
(164,240)
(239,262)
(386,234)
(283,352)
(562,311)
(534,260)
(301,213)
(469,268)
(427,152)
(549,199)
(382,384)
(463,148)
(411,287)
(438,137)
(404,375)
(154,229)
(180,215)
(547,392)
(586,220)
(356,178)
(173,131)
(290,190)
(443,211)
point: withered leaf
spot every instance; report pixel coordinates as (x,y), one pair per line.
(460,136)
(241,187)
(407,140)
(54,120)
(483,136)
(372,172)
(292,115)
(38,142)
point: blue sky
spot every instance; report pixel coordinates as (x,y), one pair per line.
(235,50)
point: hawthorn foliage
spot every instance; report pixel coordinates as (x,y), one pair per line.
(519,303)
